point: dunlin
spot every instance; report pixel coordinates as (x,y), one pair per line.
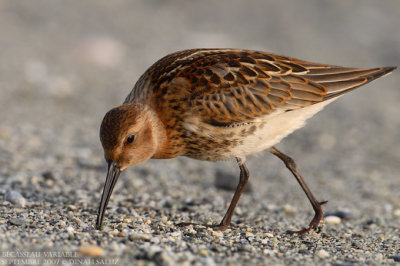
(215,104)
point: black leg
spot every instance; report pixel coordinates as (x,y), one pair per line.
(317,206)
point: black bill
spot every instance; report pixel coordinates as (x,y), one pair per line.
(112,177)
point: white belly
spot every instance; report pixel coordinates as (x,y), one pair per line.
(276,127)
(270,130)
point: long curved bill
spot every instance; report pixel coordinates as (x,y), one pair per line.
(112,177)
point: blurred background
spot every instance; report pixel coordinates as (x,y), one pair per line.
(64,64)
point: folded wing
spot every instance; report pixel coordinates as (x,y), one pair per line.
(231,86)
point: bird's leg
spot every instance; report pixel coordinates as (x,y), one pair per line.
(226,221)
(317,206)
(244,177)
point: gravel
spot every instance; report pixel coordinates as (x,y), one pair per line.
(64,64)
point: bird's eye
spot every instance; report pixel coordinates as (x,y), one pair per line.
(130,139)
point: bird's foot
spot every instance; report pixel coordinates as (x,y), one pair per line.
(316,223)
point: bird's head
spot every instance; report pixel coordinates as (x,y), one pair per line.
(130,134)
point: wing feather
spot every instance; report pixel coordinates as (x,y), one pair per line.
(235,86)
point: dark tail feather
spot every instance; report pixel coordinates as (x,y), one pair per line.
(341,80)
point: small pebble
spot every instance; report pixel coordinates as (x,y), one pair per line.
(126,220)
(70,230)
(322,253)
(91,250)
(48,175)
(34,180)
(249,234)
(15,198)
(155,240)
(332,220)
(114,246)
(395,258)
(268,235)
(203,252)
(289,209)
(61,224)
(190,230)
(396,212)
(121,234)
(379,257)
(83,225)
(17,222)
(176,234)
(139,237)
(71,207)
(377,220)
(114,232)
(344,214)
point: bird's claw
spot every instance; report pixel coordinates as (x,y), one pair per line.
(316,224)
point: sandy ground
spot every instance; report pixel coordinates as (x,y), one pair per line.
(63,64)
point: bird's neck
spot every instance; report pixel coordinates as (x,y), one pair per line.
(160,136)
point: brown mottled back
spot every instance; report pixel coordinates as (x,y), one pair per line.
(228,86)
